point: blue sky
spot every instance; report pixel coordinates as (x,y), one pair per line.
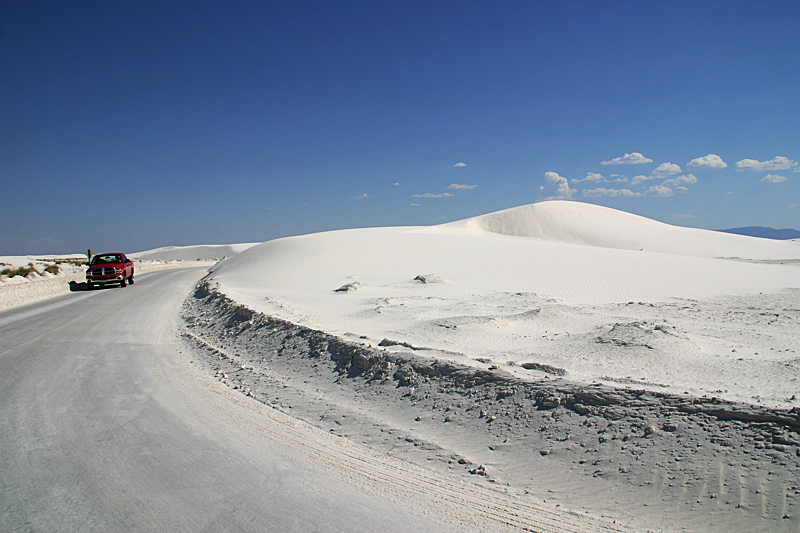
(137,125)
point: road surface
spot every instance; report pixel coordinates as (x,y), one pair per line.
(105,425)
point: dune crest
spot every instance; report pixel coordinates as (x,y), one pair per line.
(585,224)
(192,253)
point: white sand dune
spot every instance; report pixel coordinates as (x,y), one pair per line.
(192,253)
(603,294)
(592,225)
(600,346)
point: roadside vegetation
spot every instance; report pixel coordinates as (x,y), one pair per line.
(53,266)
(74,261)
(19,271)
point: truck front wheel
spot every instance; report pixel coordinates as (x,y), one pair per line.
(122,282)
(130,279)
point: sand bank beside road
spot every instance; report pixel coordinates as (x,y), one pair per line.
(647,460)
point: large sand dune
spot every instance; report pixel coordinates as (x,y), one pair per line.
(601,294)
(593,225)
(590,358)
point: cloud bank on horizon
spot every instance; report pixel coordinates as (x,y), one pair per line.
(559,188)
(671,177)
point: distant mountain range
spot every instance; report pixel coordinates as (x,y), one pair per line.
(767,233)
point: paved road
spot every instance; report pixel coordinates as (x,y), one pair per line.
(106,426)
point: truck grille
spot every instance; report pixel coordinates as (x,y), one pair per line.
(105,271)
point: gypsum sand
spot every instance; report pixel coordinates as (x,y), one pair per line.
(655,461)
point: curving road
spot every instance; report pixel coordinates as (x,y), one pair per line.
(105,426)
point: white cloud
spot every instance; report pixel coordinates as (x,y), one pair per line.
(659,191)
(793,205)
(663,190)
(396,184)
(562,185)
(590,176)
(686,179)
(629,159)
(597,193)
(774,178)
(678,184)
(708,161)
(636,180)
(675,216)
(777,163)
(458,186)
(667,169)
(431,195)
(363,196)
(416,205)
(460,165)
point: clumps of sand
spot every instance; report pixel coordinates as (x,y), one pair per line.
(547,369)
(642,334)
(350,287)
(430,278)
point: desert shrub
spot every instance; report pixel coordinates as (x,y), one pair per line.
(53,269)
(19,271)
(73,261)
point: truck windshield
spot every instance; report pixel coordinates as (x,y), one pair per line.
(106,259)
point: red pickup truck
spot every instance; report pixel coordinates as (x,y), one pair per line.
(113,267)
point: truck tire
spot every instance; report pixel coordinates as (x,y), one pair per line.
(122,282)
(89,286)
(130,279)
